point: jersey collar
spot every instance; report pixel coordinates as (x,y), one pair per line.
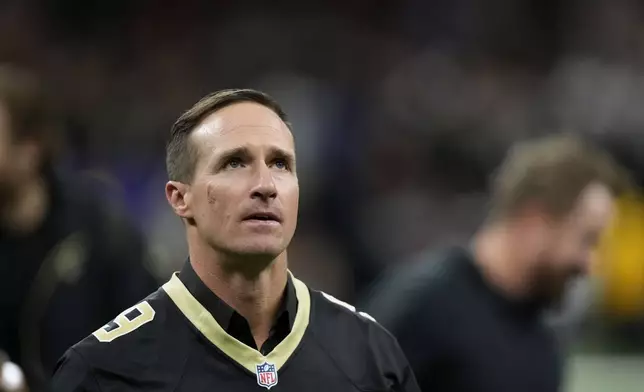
(239,352)
(222,312)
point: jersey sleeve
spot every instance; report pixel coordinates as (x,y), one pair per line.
(401,375)
(73,374)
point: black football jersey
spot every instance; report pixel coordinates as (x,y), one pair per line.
(171,342)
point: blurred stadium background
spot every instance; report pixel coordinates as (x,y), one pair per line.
(401,111)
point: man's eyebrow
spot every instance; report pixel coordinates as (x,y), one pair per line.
(277,151)
(233,152)
(244,152)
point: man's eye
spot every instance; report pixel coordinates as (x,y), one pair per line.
(233,163)
(281,164)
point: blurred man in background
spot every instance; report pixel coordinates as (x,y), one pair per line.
(471,319)
(67,260)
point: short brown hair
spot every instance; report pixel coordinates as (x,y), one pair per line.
(181,155)
(553,171)
(31,113)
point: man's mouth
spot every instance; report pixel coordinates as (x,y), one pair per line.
(263,216)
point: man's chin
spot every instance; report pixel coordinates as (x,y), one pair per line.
(258,251)
(251,261)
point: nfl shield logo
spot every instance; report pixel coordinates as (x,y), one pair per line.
(266,375)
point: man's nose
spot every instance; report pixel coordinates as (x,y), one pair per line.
(264,187)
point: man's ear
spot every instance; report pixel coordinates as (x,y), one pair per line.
(178,195)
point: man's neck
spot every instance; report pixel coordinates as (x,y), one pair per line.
(255,296)
(495,252)
(27,209)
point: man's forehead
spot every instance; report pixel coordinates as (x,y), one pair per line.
(243,125)
(596,195)
(596,201)
(242,115)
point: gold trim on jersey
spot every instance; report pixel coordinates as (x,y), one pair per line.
(246,356)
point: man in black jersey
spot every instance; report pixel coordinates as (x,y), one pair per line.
(469,319)
(234,318)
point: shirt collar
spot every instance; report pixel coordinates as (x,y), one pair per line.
(221,311)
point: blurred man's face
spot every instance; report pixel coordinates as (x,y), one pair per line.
(18,160)
(569,251)
(244,196)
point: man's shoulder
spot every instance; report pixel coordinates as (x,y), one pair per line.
(147,343)
(434,266)
(338,323)
(331,309)
(423,281)
(135,337)
(350,337)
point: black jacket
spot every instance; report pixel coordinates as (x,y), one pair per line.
(84,264)
(462,334)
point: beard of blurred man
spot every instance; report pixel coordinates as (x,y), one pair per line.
(550,282)
(569,244)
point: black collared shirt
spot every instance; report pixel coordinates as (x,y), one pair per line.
(234,323)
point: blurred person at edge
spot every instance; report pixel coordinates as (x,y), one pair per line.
(67,260)
(474,318)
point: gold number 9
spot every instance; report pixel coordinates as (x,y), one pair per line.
(122,325)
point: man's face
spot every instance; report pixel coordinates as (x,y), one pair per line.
(572,241)
(244,195)
(18,160)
